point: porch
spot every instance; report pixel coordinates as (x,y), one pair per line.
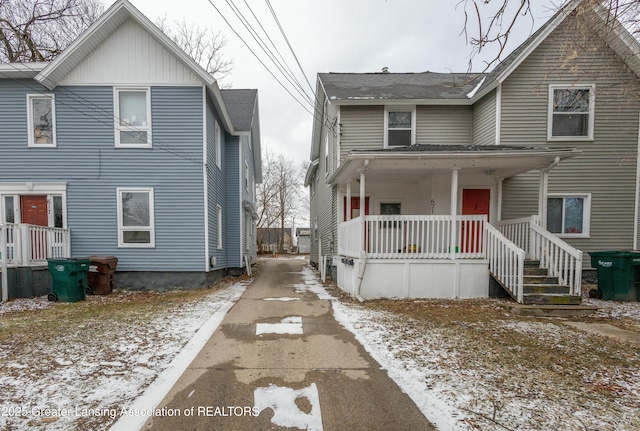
(455,257)
(25,248)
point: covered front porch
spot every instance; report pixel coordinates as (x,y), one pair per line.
(425,223)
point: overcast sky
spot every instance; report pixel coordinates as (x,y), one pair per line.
(334,36)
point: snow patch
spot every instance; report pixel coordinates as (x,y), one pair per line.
(289,325)
(286,413)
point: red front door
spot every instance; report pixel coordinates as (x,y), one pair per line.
(355,207)
(33,210)
(474,202)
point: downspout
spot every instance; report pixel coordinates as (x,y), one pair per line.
(544,185)
(363,252)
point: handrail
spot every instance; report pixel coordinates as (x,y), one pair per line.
(506,262)
(561,259)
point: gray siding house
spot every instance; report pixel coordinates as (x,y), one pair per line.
(444,184)
(124,146)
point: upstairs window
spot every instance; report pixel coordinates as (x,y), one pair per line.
(41,120)
(399,127)
(571,112)
(218,145)
(132,118)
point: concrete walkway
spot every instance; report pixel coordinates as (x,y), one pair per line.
(279,352)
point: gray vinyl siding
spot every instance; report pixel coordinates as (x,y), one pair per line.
(362,129)
(444,125)
(232,210)
(484,120)
(217,190)
(87,160)
(607,166)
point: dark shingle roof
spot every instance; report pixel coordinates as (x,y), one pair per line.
(398,86)
(240,105)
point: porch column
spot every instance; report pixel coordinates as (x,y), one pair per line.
(362,202)
(3,263)
(348,209)
(454,212)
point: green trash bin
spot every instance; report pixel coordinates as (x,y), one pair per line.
(618,274)
(69,278)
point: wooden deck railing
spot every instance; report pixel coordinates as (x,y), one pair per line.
(414,237)
(29,245)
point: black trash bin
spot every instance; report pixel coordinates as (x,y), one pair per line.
(100,275)
(69,278)
(618,274)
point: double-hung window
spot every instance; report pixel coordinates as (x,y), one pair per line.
(135,217)
(399,124)
(132,117)
(218,145)
(571,112)
(569,215)
(41,120)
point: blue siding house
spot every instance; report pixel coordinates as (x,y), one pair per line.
(128,147)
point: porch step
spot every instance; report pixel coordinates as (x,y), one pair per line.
(534,270)
(540,279)
(543,288)
(552,299)
(550,310)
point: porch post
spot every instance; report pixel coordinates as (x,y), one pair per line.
(348,209)
(454,212)
(362,203)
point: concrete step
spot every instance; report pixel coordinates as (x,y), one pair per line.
(550,310)
(552,299)
(542,288)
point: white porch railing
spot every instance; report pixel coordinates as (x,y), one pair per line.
(414,237)
(506,262)
(559,258)
(30,245)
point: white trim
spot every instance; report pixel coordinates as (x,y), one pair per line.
(591,112)
(586,214)
(399,108)
(30,125)
(150,228)
(498,114)
(338,138)
(220,243)
(240,206)
(205,178)
(34,188)
(218,143)
(124,128)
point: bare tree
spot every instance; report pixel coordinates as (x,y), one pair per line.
(203,44)
(280,195)
(490,23)
(39,30)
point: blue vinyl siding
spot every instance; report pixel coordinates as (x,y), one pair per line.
(87,160)
(248,195)
(233,211)
(217,190)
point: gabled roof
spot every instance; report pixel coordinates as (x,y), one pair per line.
(619,39)
(101,29)
(21,70)
(376,87)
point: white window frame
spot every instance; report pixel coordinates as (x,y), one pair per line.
(219,222)
(391,108)
(586,214)
(218,144)
(123,128)
(246,176)
(592,102)
(122,228)
(30,120)
(326,155)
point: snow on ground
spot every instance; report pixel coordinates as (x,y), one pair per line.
(86,385)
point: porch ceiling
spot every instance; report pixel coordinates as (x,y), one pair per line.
(412,165)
